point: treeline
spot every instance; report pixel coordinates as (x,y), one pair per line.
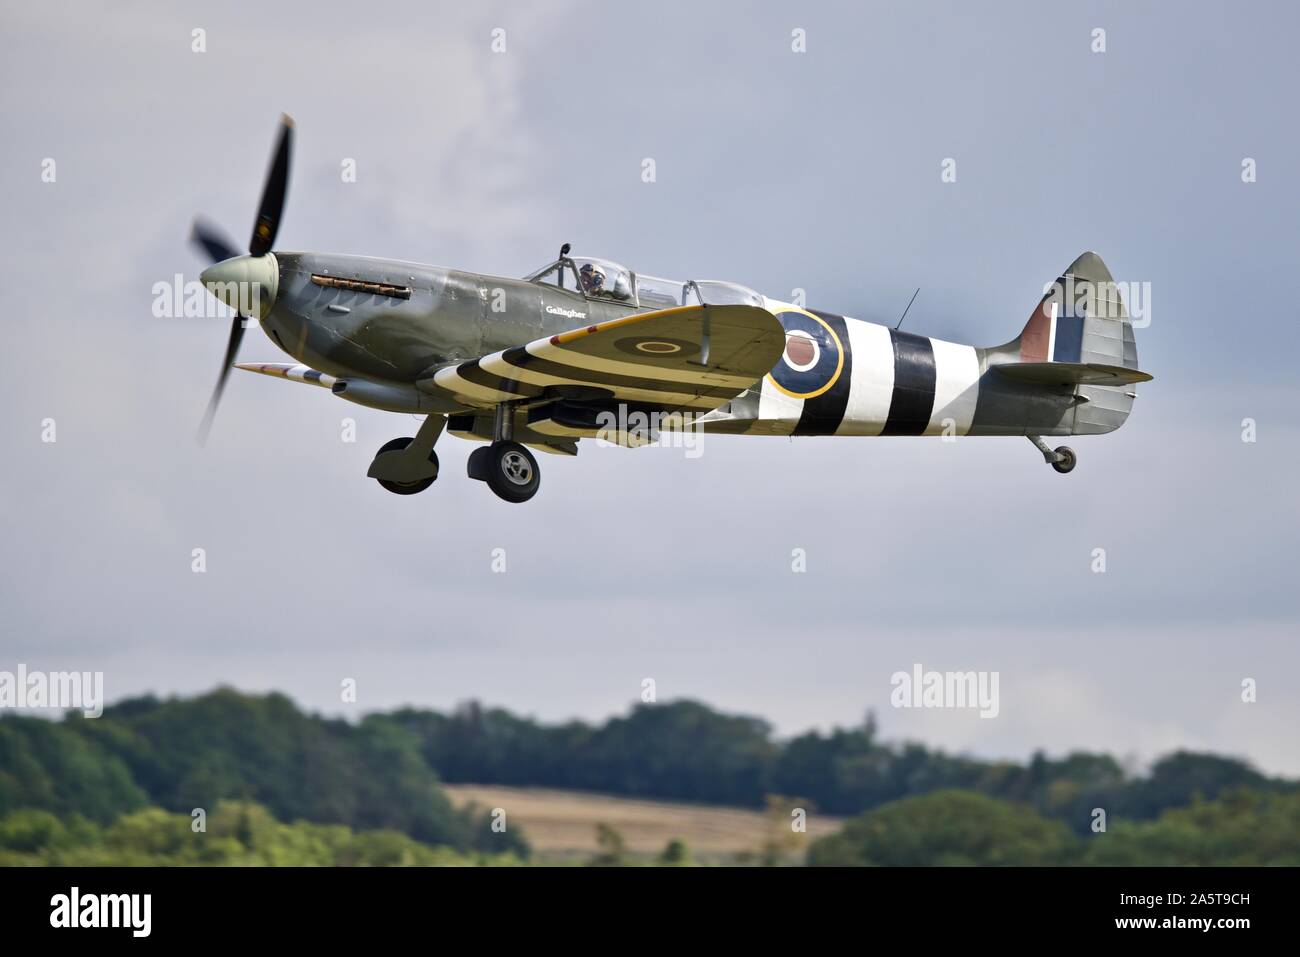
(179,755)
(686,751)
(236,834)
(383,772)
(945,828)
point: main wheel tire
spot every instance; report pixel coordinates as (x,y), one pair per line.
(407,488)
(476,466)
(512,471)
(1067,463)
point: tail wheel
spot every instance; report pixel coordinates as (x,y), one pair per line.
(407,488)
(1067,461)
(512,471)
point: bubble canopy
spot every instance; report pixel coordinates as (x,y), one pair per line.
(605,279)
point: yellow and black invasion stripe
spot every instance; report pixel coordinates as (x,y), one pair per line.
(522,359)
(472,372)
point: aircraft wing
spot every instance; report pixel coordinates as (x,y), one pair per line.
(650,357)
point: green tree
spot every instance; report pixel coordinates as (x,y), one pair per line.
(947,828)
(1240,829)
(611,849)
(675,854)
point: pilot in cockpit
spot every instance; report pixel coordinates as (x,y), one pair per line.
(593,279)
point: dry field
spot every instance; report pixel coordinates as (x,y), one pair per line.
(557,823)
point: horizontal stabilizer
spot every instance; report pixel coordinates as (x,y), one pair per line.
(1071,373)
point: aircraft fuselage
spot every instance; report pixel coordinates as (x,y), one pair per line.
(843,376)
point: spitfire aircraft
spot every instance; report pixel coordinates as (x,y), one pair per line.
(582,346)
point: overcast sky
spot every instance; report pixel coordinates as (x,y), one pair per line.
(780,170)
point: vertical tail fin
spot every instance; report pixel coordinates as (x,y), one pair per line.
(1081,318)
(1079,335)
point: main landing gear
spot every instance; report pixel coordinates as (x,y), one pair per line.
(508,468)
(409,465)
(1061,458)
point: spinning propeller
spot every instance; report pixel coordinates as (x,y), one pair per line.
(231,276)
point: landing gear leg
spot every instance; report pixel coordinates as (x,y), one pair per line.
(1061,458)
(507,467)
(408,465)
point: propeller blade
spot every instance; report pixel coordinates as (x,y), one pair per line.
(212,241)
(232,349)
(277,185)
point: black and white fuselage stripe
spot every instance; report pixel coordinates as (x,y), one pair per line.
(890,383)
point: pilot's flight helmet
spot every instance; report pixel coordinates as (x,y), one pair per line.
(593,277)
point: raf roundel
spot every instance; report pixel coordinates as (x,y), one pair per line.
(813,357)
(656,346)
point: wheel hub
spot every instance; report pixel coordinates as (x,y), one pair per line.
(516,468)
